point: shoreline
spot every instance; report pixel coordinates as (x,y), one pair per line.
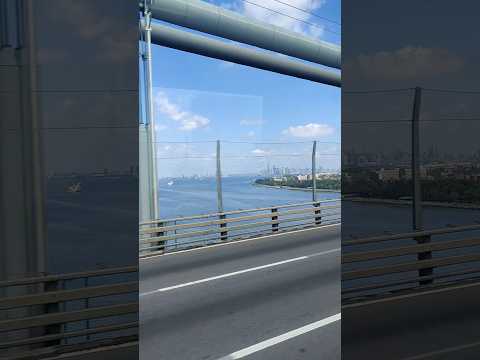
(379,201)
(309,189)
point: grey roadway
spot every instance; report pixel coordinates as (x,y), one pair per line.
(440,323)
(213,319)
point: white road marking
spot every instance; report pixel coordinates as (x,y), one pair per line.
(238,272)
(281,338)
(233,242)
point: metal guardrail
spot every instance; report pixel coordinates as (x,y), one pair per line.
(374,267)
(36,318)
(179,233)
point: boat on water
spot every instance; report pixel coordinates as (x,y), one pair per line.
(170,183)
(74,188)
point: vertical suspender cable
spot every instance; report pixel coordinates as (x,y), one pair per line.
(219,180)
(314,171)
(150,114)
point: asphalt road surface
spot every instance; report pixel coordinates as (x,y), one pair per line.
(441,323)
(274,297)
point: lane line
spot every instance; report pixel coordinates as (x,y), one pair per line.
(305,257)
(235,242)
(281,338)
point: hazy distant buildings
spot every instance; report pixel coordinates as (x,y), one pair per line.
(302,174)
(388,174)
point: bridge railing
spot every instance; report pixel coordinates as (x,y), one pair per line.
(183,232)
(56,314)
(385,265)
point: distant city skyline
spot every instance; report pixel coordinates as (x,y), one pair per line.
(272,172)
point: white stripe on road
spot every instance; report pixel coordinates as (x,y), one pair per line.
(281,338)
(238,272)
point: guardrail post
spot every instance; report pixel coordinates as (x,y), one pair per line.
(274,218)
(175,233)
(223,234)
(318,217)
(427,255)
(161,244)
(52,308)
(87,306)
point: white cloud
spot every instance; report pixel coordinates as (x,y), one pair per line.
(277,18)
(309,130)
(188,121)
(249,122)
(160,127)
(174,149)
(409,62)
(260,152)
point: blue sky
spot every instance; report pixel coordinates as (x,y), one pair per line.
(199,100)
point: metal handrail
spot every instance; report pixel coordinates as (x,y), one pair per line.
(409,266)
(219,230)
(410,280)
(67,295)
(20,319)
(69,276)
(241,236)
(412,234)
(233,212)
(70,334)
(70,316)
(370,273)
(231,220)
(155,238)
(408,250)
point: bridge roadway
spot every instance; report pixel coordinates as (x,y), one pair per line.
(274,297)
(440,323)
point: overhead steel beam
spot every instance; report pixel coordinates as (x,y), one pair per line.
(211,19)
(186,41)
